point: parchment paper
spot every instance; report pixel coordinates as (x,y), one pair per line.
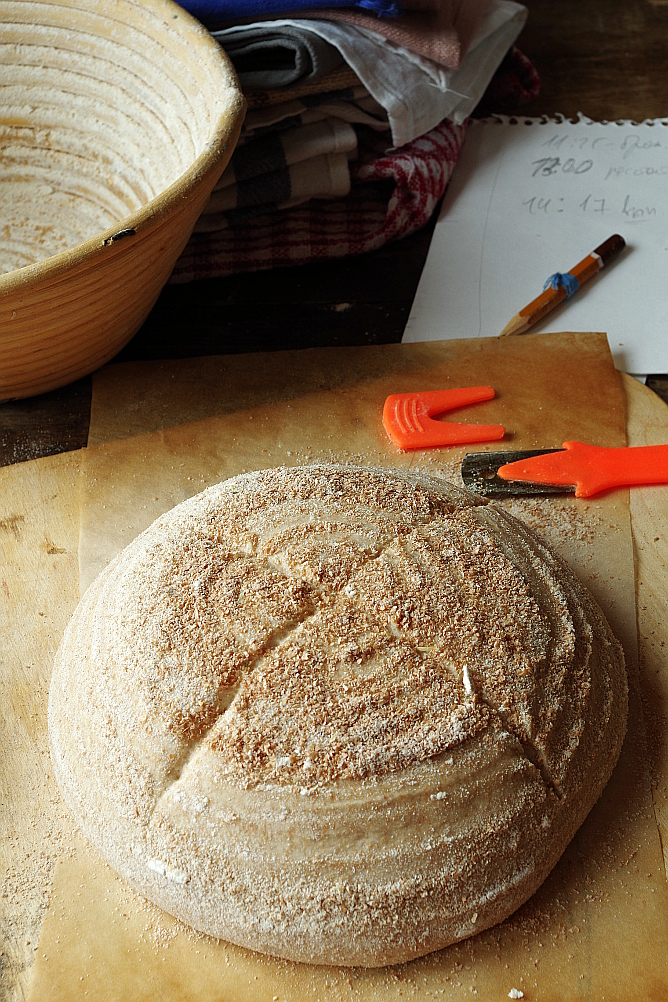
(598,928)
(39,589)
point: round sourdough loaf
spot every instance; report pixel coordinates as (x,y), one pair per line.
(336,715)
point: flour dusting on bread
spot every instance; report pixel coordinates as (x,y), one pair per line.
(332,713)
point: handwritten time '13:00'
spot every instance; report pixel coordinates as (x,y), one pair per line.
(549,166)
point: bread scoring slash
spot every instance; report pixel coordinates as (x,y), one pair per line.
(337,715)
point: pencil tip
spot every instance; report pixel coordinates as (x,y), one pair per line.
(517,325)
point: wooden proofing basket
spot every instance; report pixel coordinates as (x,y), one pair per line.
(116,120)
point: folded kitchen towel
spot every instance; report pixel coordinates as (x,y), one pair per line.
(442,35)
(342,78)
(416,93)
(354,105)
(325,176)
(440,30)
(416,31)
(281,148)
(392,194)
(265,57)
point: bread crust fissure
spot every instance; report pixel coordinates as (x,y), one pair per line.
(532,753)
(274,640)
(334,714)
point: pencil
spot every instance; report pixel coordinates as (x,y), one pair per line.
(559,287)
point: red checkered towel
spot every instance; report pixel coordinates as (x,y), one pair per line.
(393,194)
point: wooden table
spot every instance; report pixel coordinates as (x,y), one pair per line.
(606,58)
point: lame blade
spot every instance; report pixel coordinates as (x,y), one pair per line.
(479,473)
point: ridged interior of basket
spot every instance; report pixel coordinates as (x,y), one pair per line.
(102,106)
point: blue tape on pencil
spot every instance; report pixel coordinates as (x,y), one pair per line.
(566,281)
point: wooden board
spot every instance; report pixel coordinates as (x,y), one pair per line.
(252,412)
(144,397)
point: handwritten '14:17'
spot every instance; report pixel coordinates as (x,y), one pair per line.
(634,213)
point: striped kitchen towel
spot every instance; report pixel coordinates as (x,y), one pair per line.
(280,169)
(325,176)
(274,150)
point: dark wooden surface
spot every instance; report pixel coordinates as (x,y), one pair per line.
(605,58)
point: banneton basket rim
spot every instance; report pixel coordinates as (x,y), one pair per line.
(222,132)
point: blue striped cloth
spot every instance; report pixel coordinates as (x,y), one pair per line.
(218,11)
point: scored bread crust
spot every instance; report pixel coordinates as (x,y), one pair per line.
(337,715)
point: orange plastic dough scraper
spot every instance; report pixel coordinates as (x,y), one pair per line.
(409,418)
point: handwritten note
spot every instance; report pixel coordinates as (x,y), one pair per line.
(529,198)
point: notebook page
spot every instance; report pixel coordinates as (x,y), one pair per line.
(531,197)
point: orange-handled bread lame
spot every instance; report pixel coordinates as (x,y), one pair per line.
(409,418)
(584,469)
